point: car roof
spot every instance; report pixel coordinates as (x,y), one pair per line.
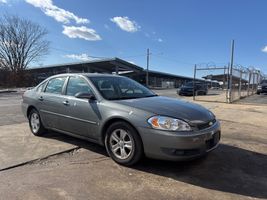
(85,74)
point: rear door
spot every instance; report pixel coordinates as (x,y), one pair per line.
(81,116)
(49,101)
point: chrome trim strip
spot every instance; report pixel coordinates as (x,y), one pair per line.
(66,116)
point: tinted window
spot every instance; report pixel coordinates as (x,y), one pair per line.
(77,85)
(188,84)
(55,85)
(113,88)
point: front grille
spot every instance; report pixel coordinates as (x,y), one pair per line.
(205,125)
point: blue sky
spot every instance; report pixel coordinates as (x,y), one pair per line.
(179,33)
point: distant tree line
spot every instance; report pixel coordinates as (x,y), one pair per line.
(21,42)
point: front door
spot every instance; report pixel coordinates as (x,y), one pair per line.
(81,116)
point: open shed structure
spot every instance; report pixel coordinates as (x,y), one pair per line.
(112,66)
(108,66)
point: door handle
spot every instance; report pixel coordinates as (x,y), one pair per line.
(66,103)
(41,98)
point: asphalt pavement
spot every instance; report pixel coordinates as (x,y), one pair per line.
(236,170)
(10,108)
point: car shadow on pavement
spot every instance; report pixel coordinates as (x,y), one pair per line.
(226,169)
(76,141)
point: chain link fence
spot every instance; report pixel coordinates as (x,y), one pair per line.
(224,84)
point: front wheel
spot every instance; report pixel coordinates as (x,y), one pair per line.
(123,143)
(35,123)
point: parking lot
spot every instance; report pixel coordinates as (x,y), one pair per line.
(61,167)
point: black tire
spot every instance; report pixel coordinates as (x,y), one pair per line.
(137,146)
(36,131)
(258,93)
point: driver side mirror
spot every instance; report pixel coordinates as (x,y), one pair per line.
(82,95)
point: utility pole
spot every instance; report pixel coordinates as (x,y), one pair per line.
(231,72)
(147,66)
(195,71)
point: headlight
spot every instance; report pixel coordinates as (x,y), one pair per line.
(259,87)
(168,123)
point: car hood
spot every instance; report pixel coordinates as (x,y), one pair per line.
(171,107)
(186,87)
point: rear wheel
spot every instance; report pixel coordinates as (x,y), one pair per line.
(123,143)
(35,123)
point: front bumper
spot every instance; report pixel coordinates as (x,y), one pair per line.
(186,92)
(166,145)
(263,90)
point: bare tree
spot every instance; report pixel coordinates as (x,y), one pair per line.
(21,42)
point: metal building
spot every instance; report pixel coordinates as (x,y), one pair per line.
(115,66)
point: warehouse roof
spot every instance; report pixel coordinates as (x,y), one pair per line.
(106,64)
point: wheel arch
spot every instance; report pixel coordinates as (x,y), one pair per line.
(29,109)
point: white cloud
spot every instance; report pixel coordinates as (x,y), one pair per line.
(126,24)
(264,49)
(81,32)
(81,57)
(160,40)
(3,1)
(57,13)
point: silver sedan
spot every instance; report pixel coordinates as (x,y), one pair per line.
(127,118)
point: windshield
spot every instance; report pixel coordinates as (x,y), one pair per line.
(190,84)
(263,81)
(115,88)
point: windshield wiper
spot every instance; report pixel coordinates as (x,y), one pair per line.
(152,95)
(120,98)
(123,98)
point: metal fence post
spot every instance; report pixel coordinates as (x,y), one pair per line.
(240,84)
(253,86)
(229,86)
(249,80)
